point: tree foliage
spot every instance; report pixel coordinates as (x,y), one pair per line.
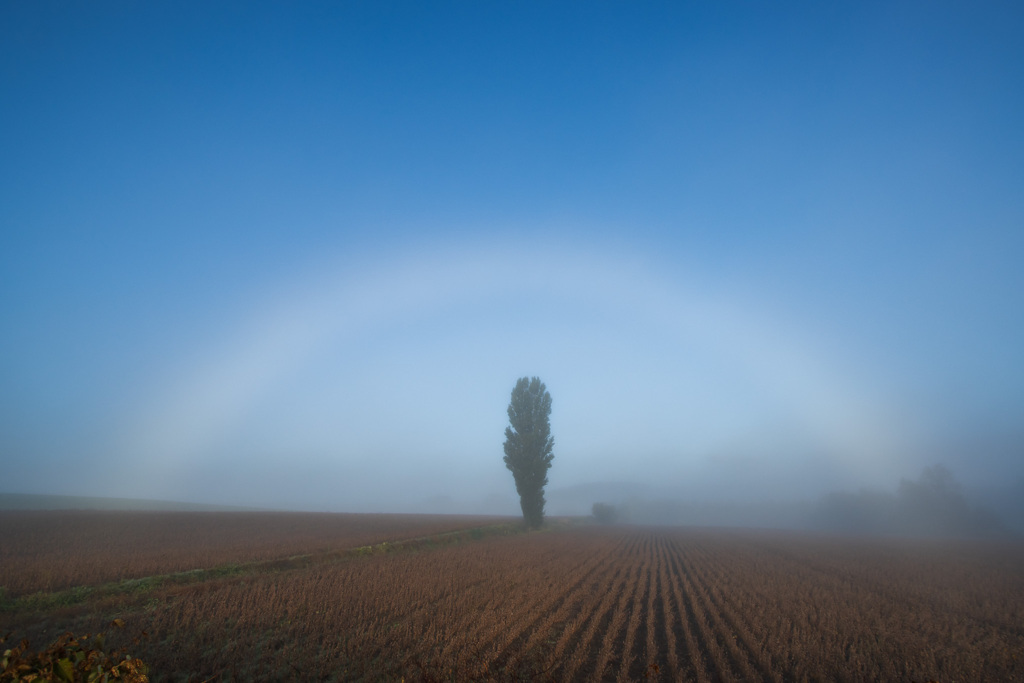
(528,445)
(605,513)
(934,505)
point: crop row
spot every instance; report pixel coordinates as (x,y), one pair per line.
(56,550)
(601,604)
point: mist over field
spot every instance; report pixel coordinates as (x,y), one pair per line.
(766,261)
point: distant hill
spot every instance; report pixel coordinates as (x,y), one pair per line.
(28,501)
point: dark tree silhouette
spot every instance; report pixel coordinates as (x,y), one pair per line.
(528,445)
(605,513)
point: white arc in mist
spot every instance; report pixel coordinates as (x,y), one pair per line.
(327,311)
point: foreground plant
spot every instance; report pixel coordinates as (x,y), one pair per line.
(71,658)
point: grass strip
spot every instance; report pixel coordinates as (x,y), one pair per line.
(44,601)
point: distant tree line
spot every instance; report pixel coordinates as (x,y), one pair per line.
(934,505)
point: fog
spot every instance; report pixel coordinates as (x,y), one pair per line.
(305,272)
(383,387)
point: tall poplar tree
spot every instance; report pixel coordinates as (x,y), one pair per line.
(528,445)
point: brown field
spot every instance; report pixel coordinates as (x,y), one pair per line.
(58,549)
(589,603)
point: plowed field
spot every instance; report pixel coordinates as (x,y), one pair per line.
(593,603)
(59,549)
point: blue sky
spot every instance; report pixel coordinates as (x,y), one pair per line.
(298,255)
